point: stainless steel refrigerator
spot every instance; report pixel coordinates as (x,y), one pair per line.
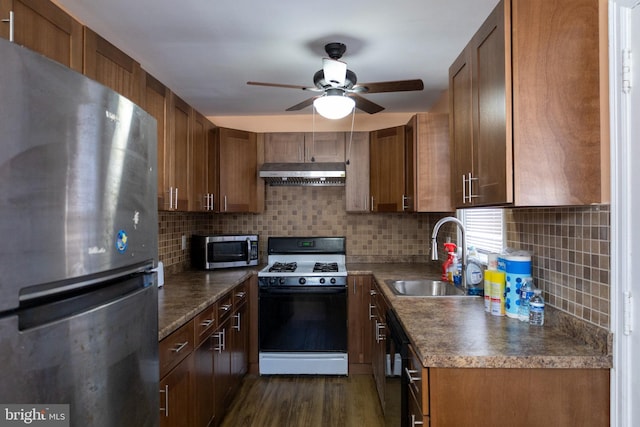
(78,223)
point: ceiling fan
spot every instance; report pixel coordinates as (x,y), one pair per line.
(338,89)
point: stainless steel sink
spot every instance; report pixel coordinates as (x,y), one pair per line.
(424,288)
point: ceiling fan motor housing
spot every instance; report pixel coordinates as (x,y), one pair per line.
(321,83)
(335,50)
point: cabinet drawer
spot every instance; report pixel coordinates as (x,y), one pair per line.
(415,412)
(225,307)
(175,348)
(204,323)
(240,294)
(418,377)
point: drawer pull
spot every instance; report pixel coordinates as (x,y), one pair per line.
(180,346)
(166,401)
(414,422)
(241,294)
(410,377)
(225,307)
(220,347)
(206,323)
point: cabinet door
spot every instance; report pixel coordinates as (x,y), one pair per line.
(461,127)
(110,66)
(45,28)
(431,175)
(237,170)
(357,167)
(199,199)
(156,103)
(203,383)
(387,169)
(359,338)
(222,368)
(240,345)
(176,404)
(324,146)
(284,147)
(180,138)
(493,163)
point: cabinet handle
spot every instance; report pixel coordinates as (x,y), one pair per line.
(373,292)
(170,198)
(371,203)
(414,422)
(379,327)
(371,314)
(206,323)
(225,203)
(225,307)
(237,326)
(176,199)
(410,377)
(180,346)
(166,400)
(11,22)
(241,294)
(221,341)
(354,286)
(405,202)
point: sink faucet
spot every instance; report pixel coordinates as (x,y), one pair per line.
(434,245)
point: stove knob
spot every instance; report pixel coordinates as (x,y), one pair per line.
(333,280)
(302,281)
(322,280)
(281,280)
(272,281)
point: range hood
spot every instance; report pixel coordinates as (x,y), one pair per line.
(321,174)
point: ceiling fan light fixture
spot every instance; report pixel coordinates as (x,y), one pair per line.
(334,106)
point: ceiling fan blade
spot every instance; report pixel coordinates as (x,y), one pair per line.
(394,86)
(279,85)
(303,104)
(366,105)
(334,71)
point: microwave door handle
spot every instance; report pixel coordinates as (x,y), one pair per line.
(248,251)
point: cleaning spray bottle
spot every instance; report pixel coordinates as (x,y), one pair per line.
(451,264)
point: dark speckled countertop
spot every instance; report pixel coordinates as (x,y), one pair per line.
(445,332)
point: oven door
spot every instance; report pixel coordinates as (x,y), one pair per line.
(303,330)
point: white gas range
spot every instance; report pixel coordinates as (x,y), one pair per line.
(303,307)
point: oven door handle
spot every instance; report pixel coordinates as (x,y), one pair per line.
(304,290)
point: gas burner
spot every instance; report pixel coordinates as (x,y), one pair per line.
(283,267)
(325,267)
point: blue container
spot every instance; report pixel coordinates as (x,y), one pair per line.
(517,268)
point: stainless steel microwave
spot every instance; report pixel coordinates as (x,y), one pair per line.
(210,252)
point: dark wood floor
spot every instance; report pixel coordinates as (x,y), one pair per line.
(309,401)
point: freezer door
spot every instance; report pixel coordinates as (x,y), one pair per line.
(100,358)
(77,176)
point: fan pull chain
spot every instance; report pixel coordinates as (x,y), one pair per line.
(353,119)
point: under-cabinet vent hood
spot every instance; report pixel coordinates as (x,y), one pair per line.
(321,174)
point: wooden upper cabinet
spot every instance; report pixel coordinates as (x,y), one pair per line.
(156,103)
(45,28)
(533,106)
(238,170)
(357,168)
(110,66)
(284,147)
(324,146)
(427,163)
(180,136)
(386,174)
(299,147)
(201,196)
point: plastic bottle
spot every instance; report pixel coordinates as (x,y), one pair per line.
(526,292)
(448,268)
(536,308)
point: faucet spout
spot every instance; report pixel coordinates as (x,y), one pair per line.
(463,245)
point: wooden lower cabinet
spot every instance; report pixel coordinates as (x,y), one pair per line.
(202,363)
(378,316)
(176,406)
(518,397)
(359,333)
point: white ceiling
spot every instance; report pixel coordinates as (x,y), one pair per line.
(207,50)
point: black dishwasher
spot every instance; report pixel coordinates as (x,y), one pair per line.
(396,382)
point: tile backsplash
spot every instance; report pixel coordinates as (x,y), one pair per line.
(570,246)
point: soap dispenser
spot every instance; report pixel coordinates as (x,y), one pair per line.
(451,264)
